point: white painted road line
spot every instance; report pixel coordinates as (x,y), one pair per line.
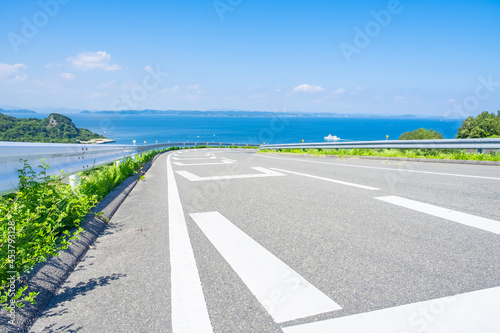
(264,173)
(328,180)
(199,155)
(283,292)
(379,168)
(194,158)
(448,214)
(470,312)
(189,310)
(199,164)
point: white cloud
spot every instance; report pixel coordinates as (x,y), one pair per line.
(98,95)
(399,98)
(379,97)
(192,96)
(172,90)
(195,91)
(20,77)
(107,84)
(39,83)
(68,76)
(306,88)
(12,71)
(93,60)
(339,91)
(194,87)
(53,65)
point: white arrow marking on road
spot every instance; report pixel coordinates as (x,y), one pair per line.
(329,180)
(189,310)
(282,291)
(198,164)
(265,173)
(194,158)
(470,312)
(448,214)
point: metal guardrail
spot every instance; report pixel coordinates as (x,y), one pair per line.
(478,144)
(71,158)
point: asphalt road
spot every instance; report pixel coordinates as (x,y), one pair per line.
(233,241)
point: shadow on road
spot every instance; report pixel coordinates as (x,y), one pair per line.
(70,293)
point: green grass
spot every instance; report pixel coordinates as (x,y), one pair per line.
(203,146)
(104,179)
(44,216)
(446,154)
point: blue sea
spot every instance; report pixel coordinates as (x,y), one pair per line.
(255,130)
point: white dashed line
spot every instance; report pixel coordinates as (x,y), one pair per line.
(329,180)
(448,214)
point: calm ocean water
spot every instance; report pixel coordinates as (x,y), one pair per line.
(162,128)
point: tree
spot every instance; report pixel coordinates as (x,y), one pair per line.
(421,134)
(485,125)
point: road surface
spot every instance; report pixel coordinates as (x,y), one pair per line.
(227,240)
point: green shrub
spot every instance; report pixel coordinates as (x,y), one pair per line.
(421,134)
(35,224)
(44,216)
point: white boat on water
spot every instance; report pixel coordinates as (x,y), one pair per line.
(332,138)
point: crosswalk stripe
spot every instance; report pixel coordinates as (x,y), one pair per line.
(282,291)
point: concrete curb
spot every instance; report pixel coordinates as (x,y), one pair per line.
(426,160)
(47,277)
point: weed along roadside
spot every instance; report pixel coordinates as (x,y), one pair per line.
(48,226)
(410,154)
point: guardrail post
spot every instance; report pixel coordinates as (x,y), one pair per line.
(74,180)
(480,151)
(117,163)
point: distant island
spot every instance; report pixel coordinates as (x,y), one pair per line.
(229,113)
(56,128)
(215,113)
(17,111)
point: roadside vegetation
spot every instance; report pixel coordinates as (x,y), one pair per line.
(446,154)
(204,146)
(44,216)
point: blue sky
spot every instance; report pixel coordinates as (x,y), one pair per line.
(438,58)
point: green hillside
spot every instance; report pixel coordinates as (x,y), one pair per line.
(54,129)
